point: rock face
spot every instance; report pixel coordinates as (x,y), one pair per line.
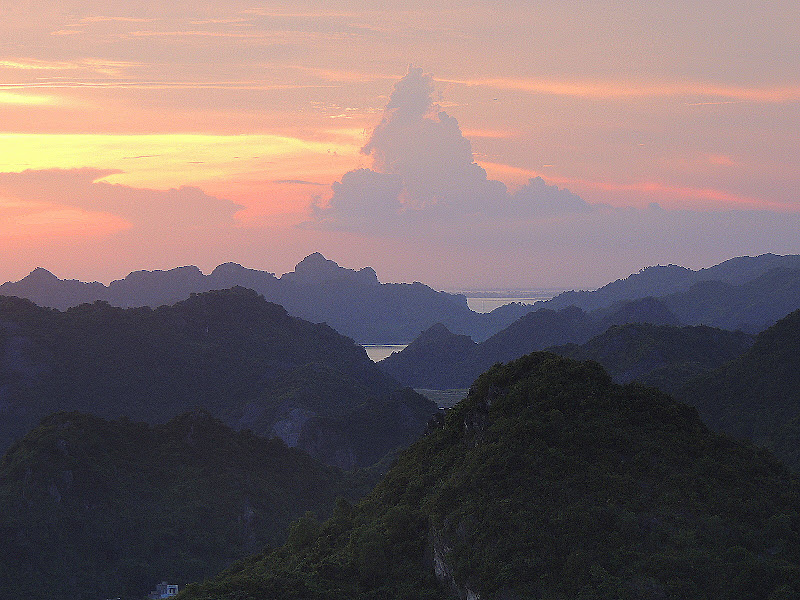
(551,481)
(241,358)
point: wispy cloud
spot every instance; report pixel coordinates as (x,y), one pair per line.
(654,190)
(678,192)
(628,89)
(321,14)
(299,182)
(160,85)
(102,19)
(94,65)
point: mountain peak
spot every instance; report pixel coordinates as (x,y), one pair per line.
(40,275)
(315,268)
(316,262)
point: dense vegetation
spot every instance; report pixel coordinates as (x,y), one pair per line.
(240,357)
(757,395)
(102,509)
(659,355)
(550,481)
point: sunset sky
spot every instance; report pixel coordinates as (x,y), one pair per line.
(464,144)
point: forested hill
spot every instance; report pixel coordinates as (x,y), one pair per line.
(757,395)
(351,301)
(240,357)
(663,356)
(96,509)
(633,342)
(550,481)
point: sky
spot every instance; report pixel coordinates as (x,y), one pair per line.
(467,145)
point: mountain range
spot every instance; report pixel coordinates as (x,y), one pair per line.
(550,480)
(665,280)
(356,304)
(441,359)
(641,334)
(351,301)
(243,359)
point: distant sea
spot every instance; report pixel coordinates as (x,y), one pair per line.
(380,351)
(482,301)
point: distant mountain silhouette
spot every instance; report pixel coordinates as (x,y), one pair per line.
(644,310)
(749,293)
(660,281)
(243,359)
(439,359)
(353,302)
(751,307)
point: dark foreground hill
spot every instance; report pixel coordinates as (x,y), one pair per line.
(96,509)
(240,357)
(550,481)
(757,395)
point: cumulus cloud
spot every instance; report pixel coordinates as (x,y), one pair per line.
(425,192)
(540,199)
(423,173)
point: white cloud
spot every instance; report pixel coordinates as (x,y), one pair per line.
(423,174)
(425,191)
